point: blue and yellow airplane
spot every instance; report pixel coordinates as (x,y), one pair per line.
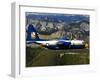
(62,43)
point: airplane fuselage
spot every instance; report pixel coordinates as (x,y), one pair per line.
(61,44)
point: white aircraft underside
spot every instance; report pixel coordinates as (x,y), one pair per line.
(54,42)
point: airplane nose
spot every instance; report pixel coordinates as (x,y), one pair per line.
(85,44)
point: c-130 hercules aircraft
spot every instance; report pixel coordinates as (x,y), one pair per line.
(62,43)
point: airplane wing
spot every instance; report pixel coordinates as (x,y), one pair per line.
(30,42)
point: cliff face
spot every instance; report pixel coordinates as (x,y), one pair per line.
(74,26)
(76,30)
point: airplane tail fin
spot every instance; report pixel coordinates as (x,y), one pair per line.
(32,34)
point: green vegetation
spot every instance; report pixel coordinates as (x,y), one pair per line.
(45,57)
(70,59)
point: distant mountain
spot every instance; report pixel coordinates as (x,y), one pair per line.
(51,17)
(59,25)
(72,31)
